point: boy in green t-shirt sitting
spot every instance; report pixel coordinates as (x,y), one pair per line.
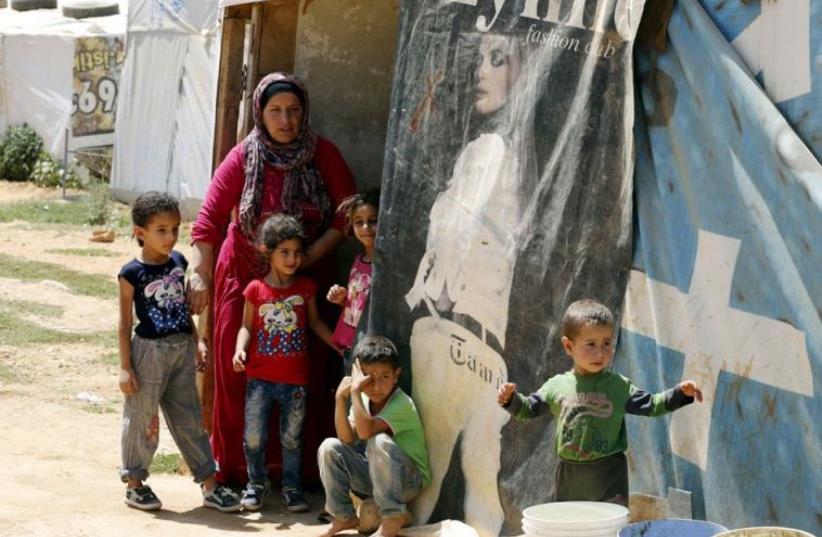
(590,406)
(393,467)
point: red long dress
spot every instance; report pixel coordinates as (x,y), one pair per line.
(237,264)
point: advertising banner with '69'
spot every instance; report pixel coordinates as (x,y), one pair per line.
(98,62)
(507,195)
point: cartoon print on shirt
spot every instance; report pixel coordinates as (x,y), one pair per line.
(280,332)
(578,411)
(167,289)
(357,296)
(170,312)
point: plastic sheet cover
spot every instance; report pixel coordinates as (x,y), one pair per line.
(726,288)
(165,115)
(507,194)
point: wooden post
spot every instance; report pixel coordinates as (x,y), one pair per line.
(229,87)
(653,28)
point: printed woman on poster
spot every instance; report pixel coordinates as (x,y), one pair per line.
(464,282)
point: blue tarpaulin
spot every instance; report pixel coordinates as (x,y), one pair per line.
(726,286)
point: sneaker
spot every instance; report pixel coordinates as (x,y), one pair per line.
(222,499)
(294,500)
(253,496)
(143,498)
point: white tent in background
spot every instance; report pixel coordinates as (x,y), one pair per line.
(37,79)
(165,115)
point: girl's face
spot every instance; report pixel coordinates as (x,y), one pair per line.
(499,66)
(364,224)
(286,258)
(283,117)
(159,235)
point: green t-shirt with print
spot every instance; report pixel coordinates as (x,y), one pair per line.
(400,413)
(590,411)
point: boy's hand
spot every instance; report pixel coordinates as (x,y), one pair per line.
(239,361)
(337,294)
(505,392)
(691,389)
(201,356)
(358,379)
(128,382)
(344,389)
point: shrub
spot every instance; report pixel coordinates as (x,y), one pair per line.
(19,151)
(48,172)
(100,205)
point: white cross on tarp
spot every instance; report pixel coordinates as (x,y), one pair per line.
(778,43)
(714,337)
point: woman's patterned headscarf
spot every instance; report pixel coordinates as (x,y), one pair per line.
(303,181)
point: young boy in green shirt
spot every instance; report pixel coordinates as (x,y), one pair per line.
(590,406)
(393,468)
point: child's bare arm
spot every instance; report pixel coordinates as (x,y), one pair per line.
(365,424)
(345,432)
(243,337)
(318,325)
(128,379)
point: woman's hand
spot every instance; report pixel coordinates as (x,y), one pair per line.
(201,355)
(128,382)
(197,291)
(336,295)
(691,389)
(238,362)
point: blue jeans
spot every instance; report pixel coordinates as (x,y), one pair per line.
(383,471)
(165,372)
(260,396)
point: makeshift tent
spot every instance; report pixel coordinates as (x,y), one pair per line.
(59,74)
(724,286)
(166,108)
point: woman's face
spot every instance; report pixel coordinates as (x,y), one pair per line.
(499,66)
(283,117)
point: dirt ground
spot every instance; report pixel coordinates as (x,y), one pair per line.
(60,423)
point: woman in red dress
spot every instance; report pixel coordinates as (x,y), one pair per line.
(281,166)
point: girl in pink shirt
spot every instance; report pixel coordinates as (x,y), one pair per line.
(360,211)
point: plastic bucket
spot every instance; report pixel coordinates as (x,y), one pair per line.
(574,519)
(765,532)
(672,527)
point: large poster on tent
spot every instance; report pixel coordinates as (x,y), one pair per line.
(98,62)
(506,196)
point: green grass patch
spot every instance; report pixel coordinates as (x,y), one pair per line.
(100,409)
(95,285)
(18,332)
(166,463)
(73,212)
(84,252)
(6,374)
(111,358)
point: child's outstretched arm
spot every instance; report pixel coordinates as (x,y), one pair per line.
(643,403)
(691,389)
(128,379)
(520,407)
(318,325)
(243,336)
(345,432)
(365,424)
(505,393)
